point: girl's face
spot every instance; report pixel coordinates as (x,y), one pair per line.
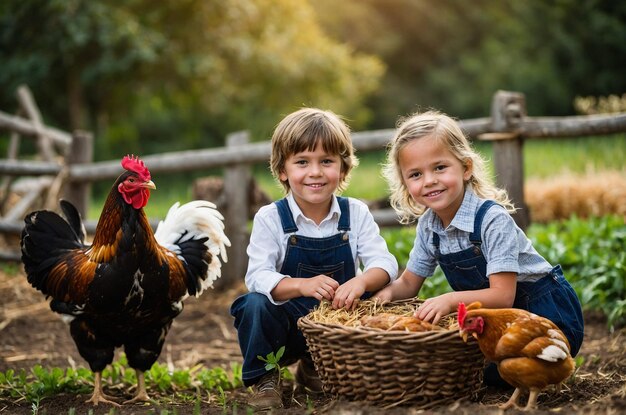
(313,177)
(433,176)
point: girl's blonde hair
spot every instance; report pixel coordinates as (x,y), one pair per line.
(447,132)
(302,130)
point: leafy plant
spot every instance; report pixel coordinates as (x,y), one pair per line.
(42,382)
(272,362)
(592,255)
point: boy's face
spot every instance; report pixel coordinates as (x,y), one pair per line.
(313,177)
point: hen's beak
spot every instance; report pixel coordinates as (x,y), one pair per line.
(463,335)
(148,184)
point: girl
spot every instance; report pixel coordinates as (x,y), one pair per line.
(465,226)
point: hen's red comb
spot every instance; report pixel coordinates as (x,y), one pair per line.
(132,163)
(461,313)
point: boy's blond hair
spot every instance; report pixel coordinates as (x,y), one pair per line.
(302,130)
(447,132)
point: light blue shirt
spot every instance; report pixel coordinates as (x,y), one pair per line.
(268,243)
(505,246)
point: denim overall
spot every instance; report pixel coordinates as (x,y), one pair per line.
(263,327)
(551,297)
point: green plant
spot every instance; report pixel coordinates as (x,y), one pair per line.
(592,255)
(272,362)
(41,382)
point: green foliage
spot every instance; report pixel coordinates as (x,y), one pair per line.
(272,362)
(593,258)
(40,382)
(454,56)
(400,242)
(216,378)
(10,268)
(590,251)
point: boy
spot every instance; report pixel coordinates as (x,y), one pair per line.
(309,246)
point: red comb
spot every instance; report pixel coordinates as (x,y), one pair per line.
(132,163)
(461,313)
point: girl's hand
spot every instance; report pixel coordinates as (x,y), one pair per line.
(385,295)
(434,308)
(319,287)
(348,294)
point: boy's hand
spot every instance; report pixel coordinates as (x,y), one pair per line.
(434,308)
(348,294)
(319,287)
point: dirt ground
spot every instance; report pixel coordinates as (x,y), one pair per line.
(203,334)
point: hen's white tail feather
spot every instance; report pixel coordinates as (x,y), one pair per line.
(196,219)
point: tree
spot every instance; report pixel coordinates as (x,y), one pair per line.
(172,73)
(453,55)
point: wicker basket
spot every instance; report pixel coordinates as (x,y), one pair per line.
(389,368)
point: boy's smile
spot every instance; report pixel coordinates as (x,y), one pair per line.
(313,178)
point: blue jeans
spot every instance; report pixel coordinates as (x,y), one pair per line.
(263,328)
(554,298)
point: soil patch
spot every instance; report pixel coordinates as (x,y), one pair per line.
(203,334)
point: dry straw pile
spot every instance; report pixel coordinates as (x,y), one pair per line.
(592,194)
(327,315)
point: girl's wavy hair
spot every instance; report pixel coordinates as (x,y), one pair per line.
(302,130)
(448,132)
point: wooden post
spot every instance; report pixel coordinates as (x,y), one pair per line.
(507,111)
(81,152)
(7,181)
(27,101)
(236,180)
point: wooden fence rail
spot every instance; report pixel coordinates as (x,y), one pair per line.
(508,126)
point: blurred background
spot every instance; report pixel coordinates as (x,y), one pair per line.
(177,74)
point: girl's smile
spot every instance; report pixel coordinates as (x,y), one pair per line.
(433,176)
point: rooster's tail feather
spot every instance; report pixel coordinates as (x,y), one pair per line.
(45,237)
(74,219)
(184,229)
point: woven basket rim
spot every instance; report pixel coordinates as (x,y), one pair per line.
(364,332)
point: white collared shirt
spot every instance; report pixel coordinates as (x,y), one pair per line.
(268,243)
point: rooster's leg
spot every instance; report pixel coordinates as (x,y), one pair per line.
(141,395)
(512,402)
(532,400)
(99,396)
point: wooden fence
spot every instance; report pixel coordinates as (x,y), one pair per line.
(507,127)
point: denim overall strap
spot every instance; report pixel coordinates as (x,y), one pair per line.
(286,218)
(289,225)
(308,257)
(474,237)
(466,269)
(344,220)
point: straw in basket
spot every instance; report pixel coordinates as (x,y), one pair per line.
(389,368)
